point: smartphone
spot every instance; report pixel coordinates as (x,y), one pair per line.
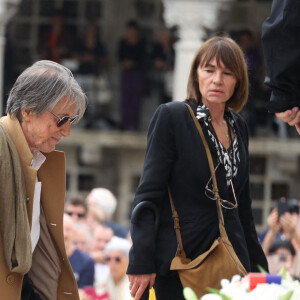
(282,207)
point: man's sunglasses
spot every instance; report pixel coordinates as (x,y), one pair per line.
(63,120)
(70,213)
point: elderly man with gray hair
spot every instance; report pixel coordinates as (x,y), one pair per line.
(42,104)
(105,202)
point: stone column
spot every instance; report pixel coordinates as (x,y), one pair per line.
(7,10)
(191,17)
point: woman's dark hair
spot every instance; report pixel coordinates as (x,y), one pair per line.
(227,51)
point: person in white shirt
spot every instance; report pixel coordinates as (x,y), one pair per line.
(116,283)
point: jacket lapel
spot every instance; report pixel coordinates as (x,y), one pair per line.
(52,175)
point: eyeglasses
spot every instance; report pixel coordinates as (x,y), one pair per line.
(283,257)
(63,120)
(79,215)
(117,259)
(209,193)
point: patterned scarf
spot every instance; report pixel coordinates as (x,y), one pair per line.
(229,157)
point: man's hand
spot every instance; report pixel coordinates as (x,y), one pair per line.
(292,117)
(138,284)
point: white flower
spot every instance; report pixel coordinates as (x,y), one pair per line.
(211,297)
(238,288)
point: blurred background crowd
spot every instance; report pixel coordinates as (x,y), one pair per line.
(98,248)
(145,65)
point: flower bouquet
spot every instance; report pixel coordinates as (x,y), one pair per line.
(254,286)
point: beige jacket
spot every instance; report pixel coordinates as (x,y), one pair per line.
(56,276)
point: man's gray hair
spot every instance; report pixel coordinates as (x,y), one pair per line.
(40,87)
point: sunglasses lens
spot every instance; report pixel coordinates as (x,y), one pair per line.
(63,121)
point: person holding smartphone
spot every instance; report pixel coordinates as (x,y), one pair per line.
(283,224)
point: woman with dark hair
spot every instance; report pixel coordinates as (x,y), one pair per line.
(176,159)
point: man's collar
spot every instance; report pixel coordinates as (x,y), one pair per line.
(38,159)
(14,129)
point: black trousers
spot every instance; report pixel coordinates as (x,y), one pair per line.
(28,292)
(166,287)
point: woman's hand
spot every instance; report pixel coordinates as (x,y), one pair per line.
(138,284)
(291,116)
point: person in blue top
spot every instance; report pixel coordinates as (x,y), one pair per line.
(82,264)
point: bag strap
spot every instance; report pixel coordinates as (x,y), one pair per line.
(211,165)
(180,251)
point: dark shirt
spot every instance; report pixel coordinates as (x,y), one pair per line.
(98,52)
(83,267)
(136,53)
(168,57)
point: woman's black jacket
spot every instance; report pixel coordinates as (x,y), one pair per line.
(176,157)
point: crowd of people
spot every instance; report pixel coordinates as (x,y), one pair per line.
(142,63)
(97,247)
(146,70)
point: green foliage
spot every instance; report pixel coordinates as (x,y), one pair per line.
(287,296)
(189,294)
(261,269)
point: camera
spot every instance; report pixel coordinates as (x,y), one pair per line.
(287,205)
